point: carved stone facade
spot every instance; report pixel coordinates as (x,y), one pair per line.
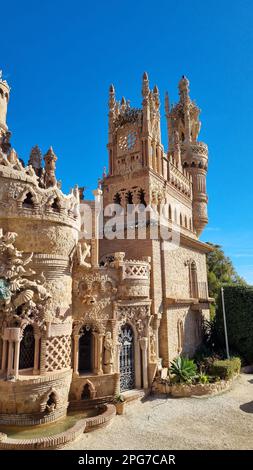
(81,320)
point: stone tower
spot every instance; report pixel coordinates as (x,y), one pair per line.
(134,134)
(4,99)
(141,172)
(39,227)
(183,130)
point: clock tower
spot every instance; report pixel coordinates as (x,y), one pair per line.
(134,147)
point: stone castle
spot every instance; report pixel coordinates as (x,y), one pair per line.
(84,318)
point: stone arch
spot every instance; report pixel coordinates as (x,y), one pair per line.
(88,391)
(27,198)
(170,212)
(50,401)
(141,197)
(175,215)
(117,198)
(85,347)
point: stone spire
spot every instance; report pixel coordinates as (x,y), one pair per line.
(35,160)
(156,96)
(50,159)
(112,100)
(123,104)
(184,89)
(145,86)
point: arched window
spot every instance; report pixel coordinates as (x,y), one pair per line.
(85,351)
(117,199)
(56,205)
(26,358)
(190,223)
(51,402)
(129,197)
(1,93)
(175,215)
(28,201)
(181,220)
(142,197)
(170,215)
(193,280)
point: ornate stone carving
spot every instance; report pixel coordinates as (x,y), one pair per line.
(108,352)
(21,298)
(83,251)
(138,315)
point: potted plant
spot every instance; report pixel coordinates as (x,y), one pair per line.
(119,402)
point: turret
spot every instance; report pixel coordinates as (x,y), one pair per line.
(4,99)
(183,129)
(50,159)
(35,160)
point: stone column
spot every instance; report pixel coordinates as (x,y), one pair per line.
(36,355)
(98,353)
(16,357)
(10,359)
(144,349)
(159,160)
(157,321)
(115,334)
(96,227)
(76,355)
(4,355)
(154,156)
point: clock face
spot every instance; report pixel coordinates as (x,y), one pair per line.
(128,141)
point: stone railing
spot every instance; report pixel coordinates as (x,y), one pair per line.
(200,148)
(134,269)
(179,179)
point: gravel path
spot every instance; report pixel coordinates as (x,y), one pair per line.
(220,422)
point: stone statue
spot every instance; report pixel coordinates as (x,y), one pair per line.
(108,352)
(152,348)
(83,252)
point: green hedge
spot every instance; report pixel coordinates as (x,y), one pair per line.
(225,369)
(239,315)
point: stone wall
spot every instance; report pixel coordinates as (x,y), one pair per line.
(24,401)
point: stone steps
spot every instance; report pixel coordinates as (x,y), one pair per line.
(131,396)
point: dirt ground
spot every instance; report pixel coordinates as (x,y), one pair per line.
(221,422)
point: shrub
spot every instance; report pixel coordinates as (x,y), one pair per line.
(119,398)
(203,378)
(239,315)
(184,370)
(225,369)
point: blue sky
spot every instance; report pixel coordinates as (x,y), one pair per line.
(60,57)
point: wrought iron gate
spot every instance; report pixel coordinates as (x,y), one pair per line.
(26,358)
(126,340)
